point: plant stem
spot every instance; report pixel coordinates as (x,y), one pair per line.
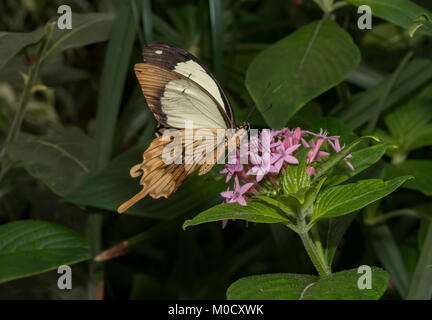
(317,258)
(314,252)
(19,116)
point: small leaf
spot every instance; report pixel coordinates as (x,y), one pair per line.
(254,212)
(340,200)
(30,247)
(295,179)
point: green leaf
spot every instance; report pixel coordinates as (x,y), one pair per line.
(340,200)
(87,28)
(12,43)
(111,186)
(277,286)
(254,212)
(30,247)
(361,160)
(61,160)
(299,68)
(280,286)
(333,160)
(343,286)
(296,179)
(420,169)
(389,255)
(421,288)
(399,12)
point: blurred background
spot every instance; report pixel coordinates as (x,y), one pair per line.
(86,89)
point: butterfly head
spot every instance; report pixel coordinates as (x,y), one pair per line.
(245,126)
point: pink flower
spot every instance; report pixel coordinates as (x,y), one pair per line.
(231,169)
(237,194)
(260,169)
(315,153)
(282,155)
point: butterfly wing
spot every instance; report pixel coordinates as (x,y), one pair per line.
(178,89)
(160,178)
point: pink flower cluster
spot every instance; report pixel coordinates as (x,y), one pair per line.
(263,167)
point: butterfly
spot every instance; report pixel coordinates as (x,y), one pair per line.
(179,89)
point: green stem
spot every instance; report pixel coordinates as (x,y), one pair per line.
(317,259)
(315,254)
(19,116)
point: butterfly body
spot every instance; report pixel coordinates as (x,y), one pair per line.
(183,95)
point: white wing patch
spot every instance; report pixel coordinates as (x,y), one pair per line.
(183,101)
(195,72)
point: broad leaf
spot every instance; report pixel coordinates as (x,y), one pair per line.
(30,247)
(61,160)
(340,200)
(344,286)
(420,169)
(337,286)
(403,13)
(254,212)
(277,286)
(299,68)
